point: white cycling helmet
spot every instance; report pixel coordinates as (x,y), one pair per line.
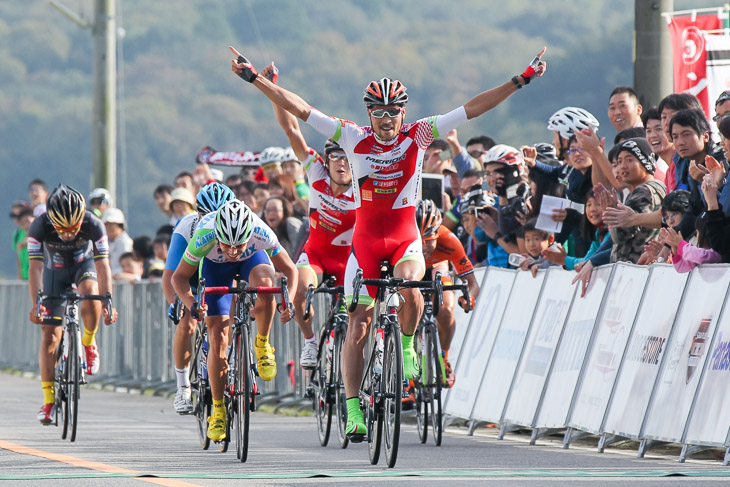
(271,155)
(505,154)
(569,119)
(289,155)
(233,223)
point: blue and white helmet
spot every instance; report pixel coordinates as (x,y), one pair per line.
(212,196)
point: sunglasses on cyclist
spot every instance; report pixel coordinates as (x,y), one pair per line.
(337,156)
(390,112)
(72,229)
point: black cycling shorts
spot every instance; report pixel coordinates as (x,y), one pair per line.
(58,281)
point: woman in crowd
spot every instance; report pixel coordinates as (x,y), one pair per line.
(278,215)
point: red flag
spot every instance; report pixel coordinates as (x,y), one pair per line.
(690,56)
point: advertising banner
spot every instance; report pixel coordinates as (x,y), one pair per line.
(571,352)
(478,341)
(689,54)
(710,420)
(552,309)
(508,347)
(685,354)
(610,337)
(645,350)
(718,69)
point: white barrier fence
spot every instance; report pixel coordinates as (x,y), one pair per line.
(645,355)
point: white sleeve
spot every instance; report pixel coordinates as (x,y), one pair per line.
(323,124)
(446,123)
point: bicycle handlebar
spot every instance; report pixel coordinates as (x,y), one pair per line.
(327,287)
(392,282)
(73,297)
(243,288)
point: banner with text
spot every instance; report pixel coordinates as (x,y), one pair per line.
(508,347)
(611,335)
(684,360)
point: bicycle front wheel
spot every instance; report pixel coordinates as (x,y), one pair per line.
(74,381)
(393,394)
(322,397)
(243,397)
(202,400)
(339,389)
(62,380)
(435,380)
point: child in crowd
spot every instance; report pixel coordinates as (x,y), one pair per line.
(536,241)
(675,215)
(686,256)
(131,268)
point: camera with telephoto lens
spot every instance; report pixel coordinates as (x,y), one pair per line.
(476,201)
(515,189)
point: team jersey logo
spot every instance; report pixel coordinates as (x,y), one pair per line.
(33,245)
(102,245)
(367,195)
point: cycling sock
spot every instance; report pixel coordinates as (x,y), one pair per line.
(219,408)
(261,341)
(183,377)
(312,339)
(49,392)
(407,341)
(353,409)
(89,337)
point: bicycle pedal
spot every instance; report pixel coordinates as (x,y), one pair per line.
(356,438)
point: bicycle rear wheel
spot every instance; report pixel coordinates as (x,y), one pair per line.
(339,389)
(74,382)
(435,382)
(393,394)
(422,390)
(243,397)
(322,397)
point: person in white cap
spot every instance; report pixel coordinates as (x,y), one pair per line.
(182,203)
(119,240)
(99,201)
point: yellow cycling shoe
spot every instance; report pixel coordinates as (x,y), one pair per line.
(217,427)
(266,361)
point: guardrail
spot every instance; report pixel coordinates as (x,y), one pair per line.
(645,355)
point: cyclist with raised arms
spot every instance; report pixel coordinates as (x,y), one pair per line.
(211,197)
(386,160)
(67,245)
(441,247)
(233,241)
(331,218)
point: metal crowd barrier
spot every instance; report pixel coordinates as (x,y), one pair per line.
(136,351)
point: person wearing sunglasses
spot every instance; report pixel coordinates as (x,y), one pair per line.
(67,245)
(331,218)
(386,160)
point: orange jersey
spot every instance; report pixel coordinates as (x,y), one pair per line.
(449,248)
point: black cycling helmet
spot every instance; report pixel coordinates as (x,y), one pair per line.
(65,207)
(386,91)
(677,200)
(428,219)
(331,146)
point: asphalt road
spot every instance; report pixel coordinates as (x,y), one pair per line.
(126,439)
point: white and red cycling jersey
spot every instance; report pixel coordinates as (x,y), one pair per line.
(386,179)
(331,222)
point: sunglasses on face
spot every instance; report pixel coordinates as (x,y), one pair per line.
(390,112)
(571,152)
(73,229)
(337,156)
(717,118)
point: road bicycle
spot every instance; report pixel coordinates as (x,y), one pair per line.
(382,387)
(240,387)
(70,373)
(428,350)
(326,386)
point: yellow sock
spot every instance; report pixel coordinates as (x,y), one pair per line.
(49,392)
(89,337)
(261,341)
(219,408)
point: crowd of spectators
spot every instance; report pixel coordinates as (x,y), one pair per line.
(659,194)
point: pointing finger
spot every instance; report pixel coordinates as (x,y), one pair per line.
(542,52)
(234,51)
